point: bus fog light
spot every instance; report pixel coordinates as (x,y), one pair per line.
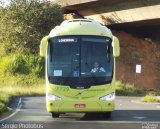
(52,97)
(108,97)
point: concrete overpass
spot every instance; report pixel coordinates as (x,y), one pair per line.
(115,12)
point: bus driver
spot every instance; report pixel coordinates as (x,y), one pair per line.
(97,68)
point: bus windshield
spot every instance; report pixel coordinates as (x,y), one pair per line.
(80,61)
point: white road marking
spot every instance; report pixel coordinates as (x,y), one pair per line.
(20,101)
(139,117)
(9,109)
(19,105)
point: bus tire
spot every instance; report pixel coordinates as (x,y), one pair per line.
(55,115)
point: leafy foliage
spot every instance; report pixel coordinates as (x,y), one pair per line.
(25,22)
(18,65)
(21,64)
(2,107)
(151,97)
(126,89)
(22,25)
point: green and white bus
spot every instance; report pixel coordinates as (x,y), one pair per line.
(72,85)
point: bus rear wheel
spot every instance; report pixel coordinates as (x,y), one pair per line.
(55,115)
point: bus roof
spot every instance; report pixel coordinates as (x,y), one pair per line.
(80,27)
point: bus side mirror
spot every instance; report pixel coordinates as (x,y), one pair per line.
(43,46)
(116,47)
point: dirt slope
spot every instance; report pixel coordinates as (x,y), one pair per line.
(135,51)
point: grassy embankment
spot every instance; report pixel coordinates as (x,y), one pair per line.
(151,97)
(20,75)
(127,89)
(130,90)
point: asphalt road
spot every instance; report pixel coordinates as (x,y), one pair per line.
(129,114)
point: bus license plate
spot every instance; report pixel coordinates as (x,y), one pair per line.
(79,105)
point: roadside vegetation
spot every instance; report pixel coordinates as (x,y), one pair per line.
(23,24)
(151,97)
(127,89)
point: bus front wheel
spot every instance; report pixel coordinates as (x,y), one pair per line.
(107,114)
(55,115)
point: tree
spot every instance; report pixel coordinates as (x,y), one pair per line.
(25,22)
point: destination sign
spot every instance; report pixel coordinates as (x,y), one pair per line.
(65,40)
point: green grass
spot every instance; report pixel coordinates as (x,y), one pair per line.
(151,98)
(127,89)
(9,91)
(19,80)
(2,107)
(20,75)
(19,85)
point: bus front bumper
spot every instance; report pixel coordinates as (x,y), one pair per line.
(80,106)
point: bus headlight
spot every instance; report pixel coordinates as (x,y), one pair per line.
(108,97)
(52,97)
